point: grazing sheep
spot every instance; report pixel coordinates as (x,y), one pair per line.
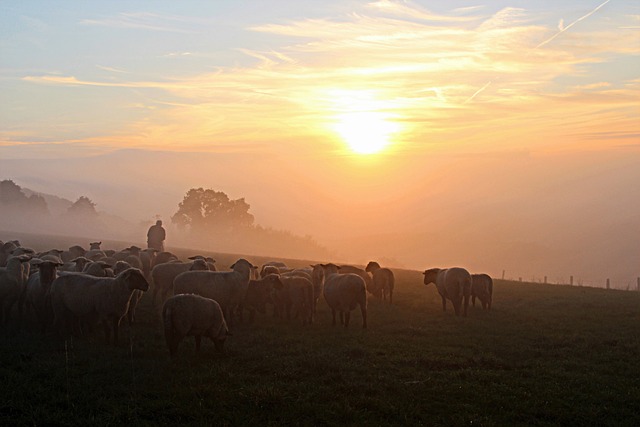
(13,279)
(37,290)
(79,296)
(383,281)
(229,288)
(343,292)
(295,296)
(192,315)
(163,275)
(259,294)
(453,284)
(344,269)
(482,287)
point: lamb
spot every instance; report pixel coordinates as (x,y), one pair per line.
(453,284)
(259,294)
(343,269)
(383,281)
(193,315)
(229,288)
(295,296)
(163,275)
(343,292)
(13,279)
(482,287)
(37,290)
(77,296)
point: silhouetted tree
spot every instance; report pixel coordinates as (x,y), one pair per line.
(83,207)
(12,196)
(212,210)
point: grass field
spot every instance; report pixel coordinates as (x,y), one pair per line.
(545,355)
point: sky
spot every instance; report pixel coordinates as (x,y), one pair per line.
(509,122)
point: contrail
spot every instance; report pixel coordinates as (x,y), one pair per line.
(572,24)
(477,92)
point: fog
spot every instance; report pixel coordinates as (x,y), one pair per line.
(527,215)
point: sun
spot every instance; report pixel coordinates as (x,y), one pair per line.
(366,132)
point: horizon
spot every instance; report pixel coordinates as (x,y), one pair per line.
(500,136)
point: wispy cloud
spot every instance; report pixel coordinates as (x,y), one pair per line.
(141,21)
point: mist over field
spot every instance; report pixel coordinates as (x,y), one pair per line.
(529,215)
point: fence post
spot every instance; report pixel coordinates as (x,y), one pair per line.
(608,284)
(571,280)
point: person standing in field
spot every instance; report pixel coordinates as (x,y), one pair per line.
(156,236)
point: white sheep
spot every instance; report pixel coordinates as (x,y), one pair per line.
(163,275)
(192,315)
(453,284)
(482,287)
(343,292)
(73,252)
(13,279)
(37,290)
(229,288)
(383,281)
(80,296)
(266,269)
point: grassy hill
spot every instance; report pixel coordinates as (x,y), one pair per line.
(545,355)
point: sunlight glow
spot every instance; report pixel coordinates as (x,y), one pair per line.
(366,132)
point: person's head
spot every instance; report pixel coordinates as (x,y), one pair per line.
(158,222)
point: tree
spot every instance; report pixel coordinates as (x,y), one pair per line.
(12,196)
(83,207)
(212,210)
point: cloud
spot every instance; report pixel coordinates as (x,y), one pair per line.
(143,21)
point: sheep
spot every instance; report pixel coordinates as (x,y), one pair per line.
(13,279)
(53,255)
(98,269)
(193,315)
(76,296)
(259,294)
(73,252)
(163,275)
(343,292)
(229,288)
(281,266)
(383,281)
(295,296)
(317,278)
(343,269)
(265,270)
(146,258)
(77,264)
(38,288)
(6,249)
(482,287)
(453,284)
(118,268)
(95,245)
(95,254)
(163,257)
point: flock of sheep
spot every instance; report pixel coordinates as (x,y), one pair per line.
(72,291)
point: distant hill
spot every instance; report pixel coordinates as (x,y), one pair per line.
(57,205)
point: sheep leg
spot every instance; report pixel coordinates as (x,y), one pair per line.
(333,313)
(466,303)
(347,316)
(456,306)
(390,296)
